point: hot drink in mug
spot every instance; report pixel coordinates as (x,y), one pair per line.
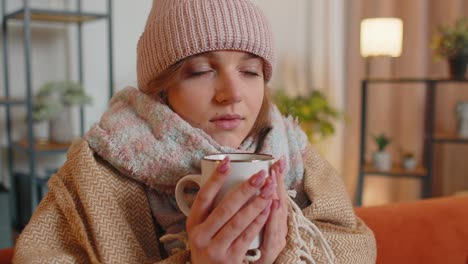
(243,165)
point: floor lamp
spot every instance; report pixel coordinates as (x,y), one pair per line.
(380,37)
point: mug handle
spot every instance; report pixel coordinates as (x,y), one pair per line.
(179,191)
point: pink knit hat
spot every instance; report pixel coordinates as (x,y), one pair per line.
(176,29)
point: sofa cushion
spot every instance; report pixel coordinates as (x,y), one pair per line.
(427,231)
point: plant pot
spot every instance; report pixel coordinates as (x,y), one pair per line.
(462,114)
(409,163)
(457,67)
(41,131)
(382,161)
(61,127)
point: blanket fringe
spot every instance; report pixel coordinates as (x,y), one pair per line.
(300,221)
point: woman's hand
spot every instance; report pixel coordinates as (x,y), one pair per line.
(276,229)
(223,234)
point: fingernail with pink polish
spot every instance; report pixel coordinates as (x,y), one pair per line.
(268,190)
(224,165)
(273,176)
(278,176)
(267,208)
(258,179)
(282,164)
(274,204)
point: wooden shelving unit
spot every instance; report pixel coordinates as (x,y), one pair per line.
(56,16)
(11,101)
(42,146)
(431,137)
(27,17)
(396,170)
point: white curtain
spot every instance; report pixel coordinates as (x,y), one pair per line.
(310,40)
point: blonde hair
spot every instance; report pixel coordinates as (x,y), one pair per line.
(156,88)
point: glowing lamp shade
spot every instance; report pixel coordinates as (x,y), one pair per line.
(381,37)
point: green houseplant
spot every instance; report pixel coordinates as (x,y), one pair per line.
(381,158)
(64,93)
(451,42)
(314,112)
(54,102)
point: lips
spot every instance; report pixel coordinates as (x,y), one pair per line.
(227,122)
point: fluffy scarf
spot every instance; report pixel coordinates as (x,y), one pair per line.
(145,140)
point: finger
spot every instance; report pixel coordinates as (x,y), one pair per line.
(236,199)
(270,226)
(203,202)
(282,205)
(241,220)
(281,189)
(274,238)
(273,169)
(243,241)
(279,211)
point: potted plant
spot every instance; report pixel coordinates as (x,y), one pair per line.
(43,109)
(64,95)
(382,159)
(314,113)
(409,161)
(462,116)
(451,42)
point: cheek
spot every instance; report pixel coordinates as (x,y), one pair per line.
(256,99)
(190,104)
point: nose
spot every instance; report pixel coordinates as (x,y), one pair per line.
(228,89)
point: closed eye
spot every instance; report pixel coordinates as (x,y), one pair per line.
(251,73)
(199,73)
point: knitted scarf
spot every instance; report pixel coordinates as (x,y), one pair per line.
(145,140)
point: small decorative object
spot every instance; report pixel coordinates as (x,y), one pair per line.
(462,114)
(43,110)
(314,113)
(382,159)
(451,42)
(409,161)
(64,95)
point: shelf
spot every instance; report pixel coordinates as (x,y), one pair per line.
(43,146)
(413,80)
(11,101)
(396,170)
(56,16)
(448,138)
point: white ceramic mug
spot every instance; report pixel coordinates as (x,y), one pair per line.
(243,166)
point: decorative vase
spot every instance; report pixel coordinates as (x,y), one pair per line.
(61,127)
(409,163)
(382,161)
(462,113)
(457,66)
(41,131)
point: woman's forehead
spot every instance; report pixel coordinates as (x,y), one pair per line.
(242,55)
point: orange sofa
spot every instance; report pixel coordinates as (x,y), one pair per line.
(427,231)
(6,255)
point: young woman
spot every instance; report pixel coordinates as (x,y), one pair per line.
(202,67)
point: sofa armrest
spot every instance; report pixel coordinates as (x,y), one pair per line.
(6,255)
(427,231)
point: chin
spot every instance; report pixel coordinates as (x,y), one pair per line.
(229,141)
